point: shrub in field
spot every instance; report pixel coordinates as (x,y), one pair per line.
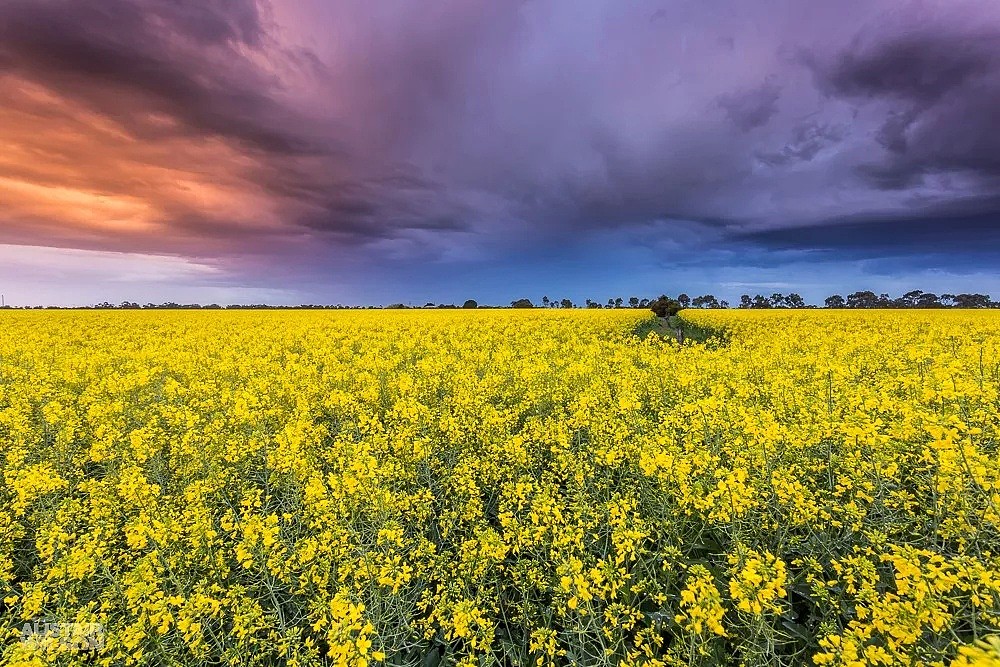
(532,487)
(665,307)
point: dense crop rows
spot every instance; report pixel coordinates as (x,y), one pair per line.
(522,488)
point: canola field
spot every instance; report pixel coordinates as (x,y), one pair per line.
(500,488)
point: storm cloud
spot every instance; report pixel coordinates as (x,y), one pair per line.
(938,85)
(310,139)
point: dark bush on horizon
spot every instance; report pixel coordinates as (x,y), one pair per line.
(665,307)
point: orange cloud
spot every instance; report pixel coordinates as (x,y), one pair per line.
(69,175)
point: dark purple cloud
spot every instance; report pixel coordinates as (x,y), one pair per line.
(261,134)
(126,59)
(752,108)
(807,140)
(938,83)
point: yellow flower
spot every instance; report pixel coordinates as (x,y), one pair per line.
(985,653)
(701,604)
(758,585)
(351,487)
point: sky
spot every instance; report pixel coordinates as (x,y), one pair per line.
(360,151)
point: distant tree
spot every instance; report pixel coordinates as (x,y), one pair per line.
(522,303)
(429,304)
(611,303)
(470,303)
(644,303)
(908,300)
(745,301)
(928,300)
(864,299)
(684,300)
(665,307)
(705,301)
(545,301)
(129,305)
(835,301)
(917,299)
(618,302)
(566,303)
(723,304)
(971,300)
(793,300)
(633,302)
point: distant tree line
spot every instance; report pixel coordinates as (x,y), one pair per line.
(682,301)
(867,299)
(913,299)
(663,305)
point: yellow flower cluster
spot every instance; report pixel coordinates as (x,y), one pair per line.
(701,603)
(759,583)
(501,487)
(985,653)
